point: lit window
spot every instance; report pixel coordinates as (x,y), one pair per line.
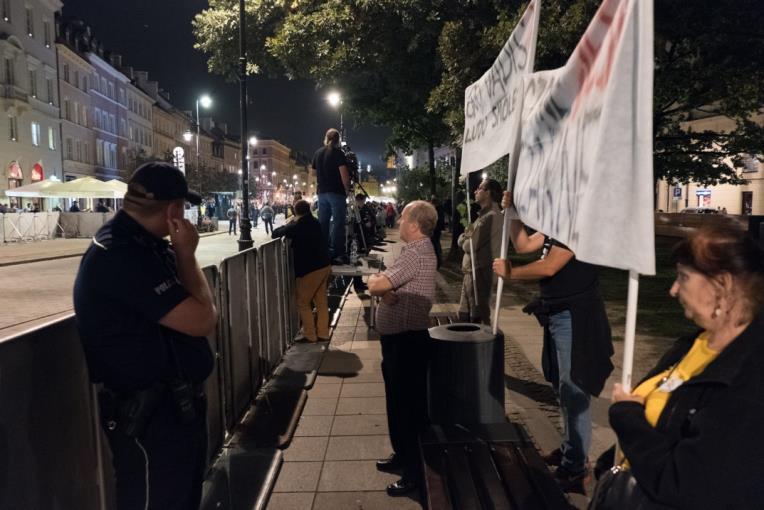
(33,83)
(51,139)
(30,22)
(35,134)
(6,10)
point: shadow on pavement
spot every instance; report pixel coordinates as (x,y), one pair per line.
(541,393)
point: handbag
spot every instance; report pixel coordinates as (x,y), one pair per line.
(617,489)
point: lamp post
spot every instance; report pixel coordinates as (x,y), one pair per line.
(335,100)
(206,102)
(245,227)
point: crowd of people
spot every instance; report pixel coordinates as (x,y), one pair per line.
(687,432)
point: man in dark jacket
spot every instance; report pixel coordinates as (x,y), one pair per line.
(312,269)
(577,340)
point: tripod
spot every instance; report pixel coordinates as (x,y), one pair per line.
(354,215)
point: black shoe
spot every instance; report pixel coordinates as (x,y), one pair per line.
(401,487)
(389,465)
(570,481)
(553,458)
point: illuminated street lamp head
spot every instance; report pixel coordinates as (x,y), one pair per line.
(205,101)
(334,99)
(262,167)
(188,135)
(252,141)
(294,177)
(273,173)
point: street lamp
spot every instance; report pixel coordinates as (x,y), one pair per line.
(335,101)
(206,102)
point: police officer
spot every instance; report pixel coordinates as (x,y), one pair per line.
(143,308)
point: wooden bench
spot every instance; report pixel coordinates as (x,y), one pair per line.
(487,466)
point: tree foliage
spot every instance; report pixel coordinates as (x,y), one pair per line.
(406,63)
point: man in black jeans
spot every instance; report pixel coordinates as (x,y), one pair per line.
(408,291)
(143,335)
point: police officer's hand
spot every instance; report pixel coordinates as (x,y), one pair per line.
(502,268)
(183,235)
(506,201)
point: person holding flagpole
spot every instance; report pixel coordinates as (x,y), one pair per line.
(485,235)
(577,339)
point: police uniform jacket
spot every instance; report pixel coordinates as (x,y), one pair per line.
(128,281)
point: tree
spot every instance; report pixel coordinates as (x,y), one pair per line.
(708,61)
(381,55)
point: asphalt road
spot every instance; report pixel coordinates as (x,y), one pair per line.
(36,292)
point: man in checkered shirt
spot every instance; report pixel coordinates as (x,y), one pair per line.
(408,291)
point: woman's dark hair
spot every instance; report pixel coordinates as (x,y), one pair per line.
(716,250)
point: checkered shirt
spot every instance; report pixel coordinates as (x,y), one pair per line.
(413,278)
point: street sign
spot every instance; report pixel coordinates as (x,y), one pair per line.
(703,192)
(178,159)
(677,192)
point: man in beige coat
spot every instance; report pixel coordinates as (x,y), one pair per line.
(485,233)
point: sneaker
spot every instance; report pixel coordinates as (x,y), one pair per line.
(571,481)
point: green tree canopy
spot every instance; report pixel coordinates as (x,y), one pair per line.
(406,63)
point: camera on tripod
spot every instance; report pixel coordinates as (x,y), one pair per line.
(352,164)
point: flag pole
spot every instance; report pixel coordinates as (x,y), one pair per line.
(472,248)
(631,325)
(500,284)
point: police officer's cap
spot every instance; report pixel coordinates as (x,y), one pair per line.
(158,180)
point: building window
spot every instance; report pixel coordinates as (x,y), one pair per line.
(6,7)
(112,124)
(97,116)
(85,83)
(122,129)
(66,73)
(46,32)
(33,83)
(30,22)
(87,152)
(13,124)
(111,91)
(79,150)
(85,116)
(36,134)
(105,121)
(76,81)
(69,149)
(49,87)
(113,153)
(9,74)
(122,96)
(67,109)
(99,152)
(265,151)
(51,139)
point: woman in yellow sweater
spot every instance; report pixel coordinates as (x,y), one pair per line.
(691,431)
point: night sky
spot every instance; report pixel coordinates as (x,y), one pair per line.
(155,36)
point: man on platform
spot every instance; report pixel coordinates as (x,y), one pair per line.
(407,289)
(333,180)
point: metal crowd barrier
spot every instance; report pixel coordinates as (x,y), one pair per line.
(52,451)
(29,226)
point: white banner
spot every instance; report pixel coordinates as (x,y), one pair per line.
(585,173)
(492,104)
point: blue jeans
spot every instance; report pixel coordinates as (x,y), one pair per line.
(332,211)
(574,402)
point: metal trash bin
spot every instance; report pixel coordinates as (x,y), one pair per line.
(466,377)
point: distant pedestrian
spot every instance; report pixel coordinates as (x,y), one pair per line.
(143,308)
(312,269)
(407,289)
(233,217)
(333,178)
(390,215)
(75,207)
(267,214)
(255,214)
(101,207)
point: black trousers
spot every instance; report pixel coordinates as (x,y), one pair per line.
(405,360)
(231,226)
(268,225)
(165,466)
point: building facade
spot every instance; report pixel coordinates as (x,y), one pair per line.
(746,199)
(30,135)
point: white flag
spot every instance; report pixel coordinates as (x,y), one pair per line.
(492,104)
(585,173)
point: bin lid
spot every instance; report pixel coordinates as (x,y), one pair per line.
(463,332)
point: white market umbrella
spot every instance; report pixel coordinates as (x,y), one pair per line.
(41,189)
(88,187)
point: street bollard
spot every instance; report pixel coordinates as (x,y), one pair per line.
(466,377)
